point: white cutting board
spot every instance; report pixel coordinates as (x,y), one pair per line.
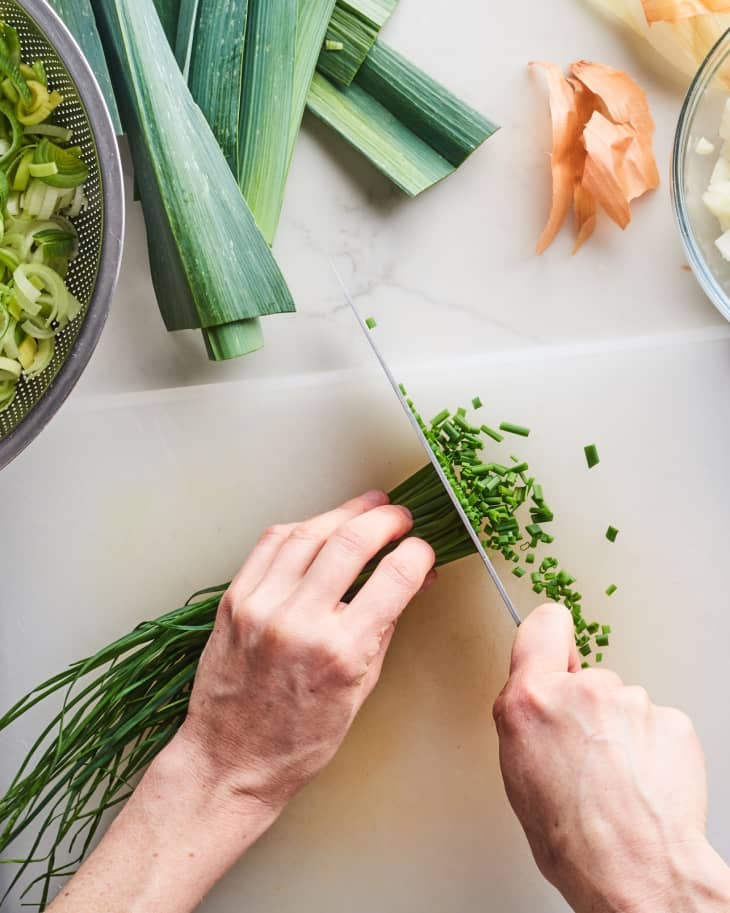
(129,503)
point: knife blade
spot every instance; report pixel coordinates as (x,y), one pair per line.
(506,599)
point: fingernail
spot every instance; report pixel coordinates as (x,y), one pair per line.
(406,513)
(375,497)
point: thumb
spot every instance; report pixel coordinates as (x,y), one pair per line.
(545,642)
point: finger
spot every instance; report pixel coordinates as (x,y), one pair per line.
(545,642)
(260,559)
(305,542)
(348,551)
(393,584)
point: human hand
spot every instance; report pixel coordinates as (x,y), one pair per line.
(289,665)
(611,790)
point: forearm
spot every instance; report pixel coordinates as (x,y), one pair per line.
(175,838)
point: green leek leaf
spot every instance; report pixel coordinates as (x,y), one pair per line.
(169,13)
(410,127)
(355,24)
(79,20)
(187,34)
(216,70)
(210,263)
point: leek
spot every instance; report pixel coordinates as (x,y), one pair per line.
(410,127)
(169,13)
(353,29)
(79,19)
(210,263)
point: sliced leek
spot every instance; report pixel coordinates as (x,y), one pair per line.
(410,127)
(210,263)
(79,19)
(353,30)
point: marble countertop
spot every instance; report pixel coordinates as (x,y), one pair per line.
(616,345)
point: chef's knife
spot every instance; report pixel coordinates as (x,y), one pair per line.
(432,457)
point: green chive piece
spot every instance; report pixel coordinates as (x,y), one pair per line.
(477,403)
(495,435)
(611,590)
(602,641)
(402,389)
(530,558)
(371,323)
(611,533)
(586,650)
(440,418)
(605,629)
(592,458)
(537,494)
(519,430)
(599,657)
(518,571)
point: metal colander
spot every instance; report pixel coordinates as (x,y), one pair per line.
(93,273)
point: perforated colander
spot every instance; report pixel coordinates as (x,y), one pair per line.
(93,273)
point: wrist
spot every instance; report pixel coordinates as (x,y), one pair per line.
(695,880)
(210,799)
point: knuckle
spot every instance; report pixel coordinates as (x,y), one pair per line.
(679,722)
(635,699)
(275,532)
(350,541)
(307,533)
(520,701)
(400,573)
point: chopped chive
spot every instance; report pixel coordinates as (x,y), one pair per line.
(371,323)
(402,389)
(464,425)
(519,430)
(477,403)
(605,629)
(495,435)
(599,657)
(592,458)
(611,533)
(330,45)
(518,571)
(461,411)
(440,418)
(586,650)
(611,590)
(537,494)
(585,665)
(530,558)
(450,431)
(602,640)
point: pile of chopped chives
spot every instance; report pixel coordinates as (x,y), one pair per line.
(499,497)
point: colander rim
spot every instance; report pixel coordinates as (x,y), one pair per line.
(112,187)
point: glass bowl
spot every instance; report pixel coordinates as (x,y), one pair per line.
(700,118)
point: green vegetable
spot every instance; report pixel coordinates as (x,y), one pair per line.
(250,64)
(355,26)
(79,19)
(411,128)
(514,429)
(210,263)
(611,533)
(611,590)
(169,13)
(333,45)
(592,458)
(371,323)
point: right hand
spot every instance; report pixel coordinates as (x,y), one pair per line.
(611,790)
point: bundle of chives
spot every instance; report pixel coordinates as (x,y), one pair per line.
(124,704)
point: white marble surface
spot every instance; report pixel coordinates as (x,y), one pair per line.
(617,345)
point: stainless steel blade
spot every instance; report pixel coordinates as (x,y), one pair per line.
(434,462)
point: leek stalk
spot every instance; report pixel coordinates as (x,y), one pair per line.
(355,24)
(79,19)
(408,125)
(210,263)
